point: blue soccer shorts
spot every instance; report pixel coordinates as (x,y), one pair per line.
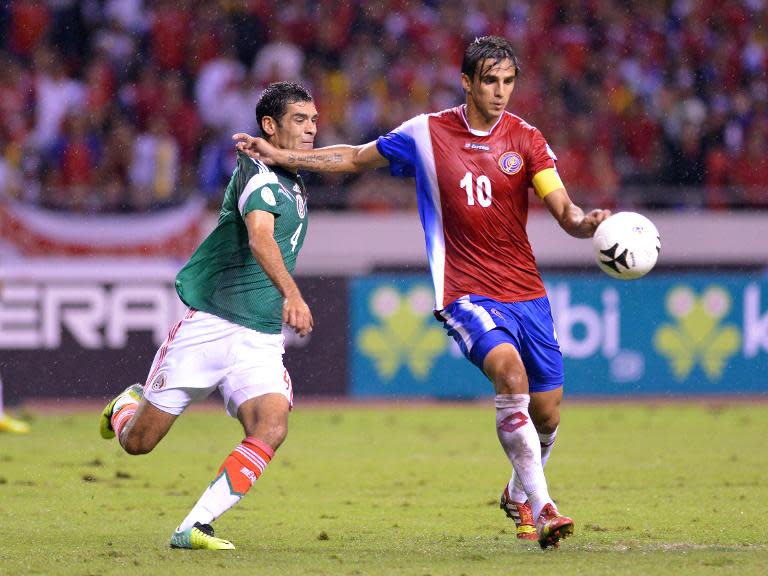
(479,324)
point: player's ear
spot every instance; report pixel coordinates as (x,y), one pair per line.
(268,125)
(466,82)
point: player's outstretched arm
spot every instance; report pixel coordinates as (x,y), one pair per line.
(571,218)
(261,229)
(338,158)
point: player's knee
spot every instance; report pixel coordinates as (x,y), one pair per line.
(136,445)
(547,423)
(510,382)
(506,371)
(545,418)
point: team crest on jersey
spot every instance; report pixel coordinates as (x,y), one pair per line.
(510,163)
(159,382)
(300,205)
(268,196)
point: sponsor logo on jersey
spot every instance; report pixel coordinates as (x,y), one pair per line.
(510,163)
(268,196)
(300,205)
(159,382)
(473,146)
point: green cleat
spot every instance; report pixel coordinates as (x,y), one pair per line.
(8,424)
(199,537)
(131,394)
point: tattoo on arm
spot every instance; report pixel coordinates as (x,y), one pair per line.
(315,159)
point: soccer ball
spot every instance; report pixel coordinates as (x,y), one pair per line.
(626,245)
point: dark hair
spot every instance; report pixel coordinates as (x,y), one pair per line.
(275,99)
(493,48)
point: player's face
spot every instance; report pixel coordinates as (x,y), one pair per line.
(489,90)
(297,127)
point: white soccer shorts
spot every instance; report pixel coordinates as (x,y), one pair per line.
(204,352)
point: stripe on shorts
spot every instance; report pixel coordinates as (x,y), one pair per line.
(476,313)
(166,344)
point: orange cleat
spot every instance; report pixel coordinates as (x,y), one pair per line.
(521,513)
(552,526)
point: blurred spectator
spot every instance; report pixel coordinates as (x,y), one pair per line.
(154,168)
(56,95)
(750,170)
(280,59)
(170,28)
(658,103)
(114,173)
(99,89)
(10,174)
(15,97)
(118,45)
(685,155)
(215,166)
(77,152)
(215,78)
(128,15)
(30,20)
(144,95)
(181,115)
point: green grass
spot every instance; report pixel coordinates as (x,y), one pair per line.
(677,489)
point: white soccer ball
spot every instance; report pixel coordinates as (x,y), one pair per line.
(626,245)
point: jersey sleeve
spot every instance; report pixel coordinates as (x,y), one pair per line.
(541,155)
(542,166)
(260,189)
(399,147)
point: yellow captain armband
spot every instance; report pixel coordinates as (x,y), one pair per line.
(546,181)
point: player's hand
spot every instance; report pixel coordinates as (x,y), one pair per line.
(593,218)
(297,315)
(255,147)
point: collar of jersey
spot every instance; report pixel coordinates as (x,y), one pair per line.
(463,109)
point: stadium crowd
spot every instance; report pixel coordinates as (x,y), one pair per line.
(127,105)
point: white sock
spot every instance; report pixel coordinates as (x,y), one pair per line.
(237,474)
(515,488)
(217,494)
(520,441)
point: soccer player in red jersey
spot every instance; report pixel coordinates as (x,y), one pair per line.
(473,166)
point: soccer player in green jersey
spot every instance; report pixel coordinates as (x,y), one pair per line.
(239,288)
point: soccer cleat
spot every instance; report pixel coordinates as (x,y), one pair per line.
(132,393)
(199,537)
(552,526)
(8,424)
(521,513)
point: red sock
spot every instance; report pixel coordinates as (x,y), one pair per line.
(246,463)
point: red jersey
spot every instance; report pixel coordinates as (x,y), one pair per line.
(472,192)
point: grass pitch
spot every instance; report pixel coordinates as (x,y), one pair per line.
(676,489)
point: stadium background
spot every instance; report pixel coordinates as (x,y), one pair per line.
(115,119)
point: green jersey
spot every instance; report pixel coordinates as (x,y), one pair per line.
(223,277)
